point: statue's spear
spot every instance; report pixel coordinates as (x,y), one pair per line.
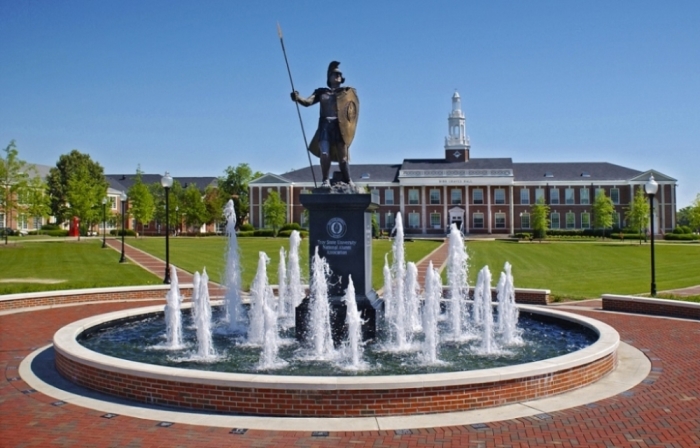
(279,31)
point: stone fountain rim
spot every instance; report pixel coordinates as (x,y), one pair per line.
(65,343)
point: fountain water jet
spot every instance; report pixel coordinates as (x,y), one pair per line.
(413,297)
(458,286)
(258,290)
(205,348)
(482,303)
(354,345)
(431,312)
(173,315)
(320,323)
(507,309)
(232,275)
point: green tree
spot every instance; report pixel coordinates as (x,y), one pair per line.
(694,214)
(637,214)
(603,209)
(275,211)
(141,203)
(83,195)
(214,201)
(192,207)
(38,200)
(174,197)
(14,183)
(539,215)
(234,185)
(57,182)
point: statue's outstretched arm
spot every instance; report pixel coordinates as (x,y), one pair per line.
(313,99)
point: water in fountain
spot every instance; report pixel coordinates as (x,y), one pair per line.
(258,290)
(413,297)
(319,317)
(482,303)
(173,315)
(431,312)
(283,307)
(396,316)
(507,310)
(458,286)
(353,348)
(232,276)
(205,347)
(295,289)
(269,358)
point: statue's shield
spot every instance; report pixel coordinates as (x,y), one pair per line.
(348,112)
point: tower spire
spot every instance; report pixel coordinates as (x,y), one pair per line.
(457,142)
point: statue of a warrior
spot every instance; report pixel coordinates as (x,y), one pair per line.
(337,122)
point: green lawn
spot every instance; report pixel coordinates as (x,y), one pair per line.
(569,270)
(66,265)
(194,254)
(575,270)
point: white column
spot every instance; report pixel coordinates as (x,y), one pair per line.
(663,206)
(673,206)
(402,209)
(445,218)
(290,204)
(512,211)
(488,206)
(260,213)
(467,218)
(422,208)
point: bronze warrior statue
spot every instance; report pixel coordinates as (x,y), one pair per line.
(336,125)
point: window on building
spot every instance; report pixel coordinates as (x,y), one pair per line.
(615,195)
(414,220)
(2,220)
(434,196)
(570,220)
(305,191)
(585,220)
(478,196)
(524,220)
(554,196)
(304,220)
(500,220)
(112,202)
(499,196)
(554,220)
(585,199)
(569,197)
(478,220)
(389,221)
(413,195)
(524,196)
(456,196)
(435,221)
(38,222)
(22,222)
(599,191)
(389,196)
(539,194)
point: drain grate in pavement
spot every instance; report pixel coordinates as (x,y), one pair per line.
(58,403)
(479,426)
(165,424)
(627,393)
(543,416)
(591,405)
(28,391)
(14,378)
(648,381)
(238,431)
(402,432)
(109,415)
(319,434)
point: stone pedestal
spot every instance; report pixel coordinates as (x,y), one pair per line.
(340,225)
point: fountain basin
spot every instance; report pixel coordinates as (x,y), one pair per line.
(331,396)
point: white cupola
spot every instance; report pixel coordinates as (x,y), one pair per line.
(457,143)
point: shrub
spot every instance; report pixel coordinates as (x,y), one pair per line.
(287,233)
(681,237)
(245,233)
(681,230)
(127,232)
(50,227)
(523,235)
(264,232)
(246,228)
(290,226)
(57,232)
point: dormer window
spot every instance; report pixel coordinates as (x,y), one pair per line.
(364,176)
(585,174)
(548,174)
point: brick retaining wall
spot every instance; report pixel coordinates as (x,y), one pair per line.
(656,307)
(331,403)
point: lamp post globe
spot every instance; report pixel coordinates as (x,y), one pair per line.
(167,181)
(123,198)
(104,222)
(650,188)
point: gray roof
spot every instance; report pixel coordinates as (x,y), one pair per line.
(428,164)
(358,172)
(123,182)
(571,171)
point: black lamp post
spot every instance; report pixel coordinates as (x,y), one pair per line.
(651,187)
(167,182)
(104,222)
(123,198)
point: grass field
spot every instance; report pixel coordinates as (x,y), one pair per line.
(61,264)
(569,270)
(194,254)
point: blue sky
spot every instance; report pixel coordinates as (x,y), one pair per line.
(194,87)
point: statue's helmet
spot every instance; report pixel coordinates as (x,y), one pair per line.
(332,70)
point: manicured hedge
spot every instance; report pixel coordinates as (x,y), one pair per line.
(681,237)
(127,232)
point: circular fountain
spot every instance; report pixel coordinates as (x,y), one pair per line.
(468,323)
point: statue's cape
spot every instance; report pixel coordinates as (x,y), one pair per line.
(348,113)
